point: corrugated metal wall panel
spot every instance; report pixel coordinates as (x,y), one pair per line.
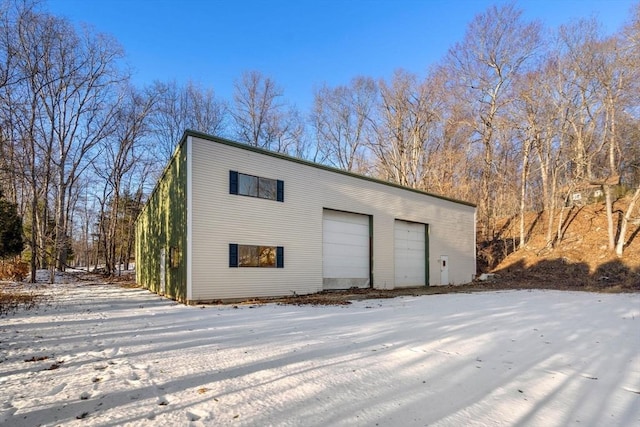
(162,227)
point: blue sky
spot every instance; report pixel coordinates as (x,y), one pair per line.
(300,44)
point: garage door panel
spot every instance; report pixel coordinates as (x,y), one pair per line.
(410,254)
(345,248)
(411,245)
(338,217)
(347,272)
(345,253)
(346,239)
(337,261)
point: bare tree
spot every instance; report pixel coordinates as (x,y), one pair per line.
(121,154)
(600,72)
(262,118)
(341,118)
(628,124)
(625,222)
(405,121)
(552,149)
(496,47)
(23,36)
(78,111)
(530,134)
(185,107)
(58,109)
(10,164)
(629,48)
(577,48)
(450,167)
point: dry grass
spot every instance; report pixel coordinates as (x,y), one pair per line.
(12,300)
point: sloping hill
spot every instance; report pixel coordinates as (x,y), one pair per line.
(578,259)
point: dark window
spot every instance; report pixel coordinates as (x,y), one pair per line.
(266,256)
(254,186)
(248,256)
(267,188)
(256,256)
(247,185)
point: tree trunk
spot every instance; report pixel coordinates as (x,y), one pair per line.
(111,235)
(59,243)
(33,241)
(523,189)
(625,223)
(551,206)
(559,233)
(606,189)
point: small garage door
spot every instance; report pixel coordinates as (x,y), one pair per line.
(410,254)
(345,250)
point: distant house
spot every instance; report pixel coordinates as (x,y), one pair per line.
(587,192)
(585,195)
(229,221)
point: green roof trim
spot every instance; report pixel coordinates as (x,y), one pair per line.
(235,144)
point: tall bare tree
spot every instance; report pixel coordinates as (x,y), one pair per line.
(405,122)
(629,125)
(262,118)
(179,108)
(58,110)
(630,50)
(450,169)
(77,72)
(624,223)
(122,153)
(341,119)
(9,150)
(496,47)
(529,111)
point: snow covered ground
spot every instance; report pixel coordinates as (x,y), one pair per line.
(108,356)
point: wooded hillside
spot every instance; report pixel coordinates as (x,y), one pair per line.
(580,257)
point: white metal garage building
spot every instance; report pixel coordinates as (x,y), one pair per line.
(230,221)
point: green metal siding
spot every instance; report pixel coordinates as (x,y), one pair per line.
(163,224)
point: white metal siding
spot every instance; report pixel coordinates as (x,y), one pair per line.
(345,250)
(220,218)
(410,254)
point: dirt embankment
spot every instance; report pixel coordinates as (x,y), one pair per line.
(578,256)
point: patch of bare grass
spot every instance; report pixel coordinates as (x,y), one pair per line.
(12,300)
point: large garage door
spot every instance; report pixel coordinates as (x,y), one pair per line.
(410,254)
(345,250)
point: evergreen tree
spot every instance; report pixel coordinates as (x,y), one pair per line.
(11,243)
